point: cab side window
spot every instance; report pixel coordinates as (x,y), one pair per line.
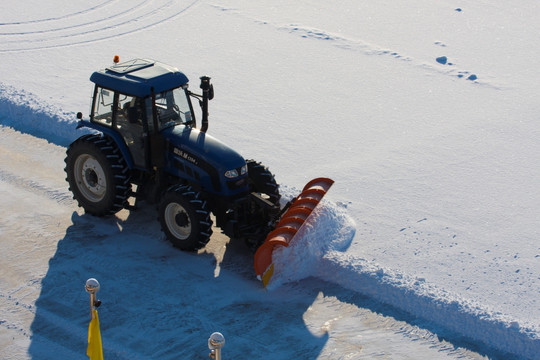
(104,106)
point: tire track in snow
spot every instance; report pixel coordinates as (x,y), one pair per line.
(60,197)
(78,29)
(81,12)
(21,111)
(76,25)
(379,324)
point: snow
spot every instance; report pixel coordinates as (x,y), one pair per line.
(424,114)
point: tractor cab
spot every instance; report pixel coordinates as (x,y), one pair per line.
(138,99)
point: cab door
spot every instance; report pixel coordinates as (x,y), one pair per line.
(129,120)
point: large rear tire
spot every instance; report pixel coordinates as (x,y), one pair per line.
(97,175)
(184,218)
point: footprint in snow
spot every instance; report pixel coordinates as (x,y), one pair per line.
(471,77)
(442,60)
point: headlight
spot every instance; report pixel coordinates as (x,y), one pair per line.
(231,173)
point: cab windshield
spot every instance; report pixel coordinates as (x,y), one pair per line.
(173,107)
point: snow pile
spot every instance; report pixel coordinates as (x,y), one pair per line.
(329,228)
(26,113)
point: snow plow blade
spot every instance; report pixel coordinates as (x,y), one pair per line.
(293,219)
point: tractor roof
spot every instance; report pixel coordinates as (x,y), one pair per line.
(137,77)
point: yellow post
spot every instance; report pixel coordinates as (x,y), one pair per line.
(94,349)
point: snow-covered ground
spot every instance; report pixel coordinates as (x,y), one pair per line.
(425,114)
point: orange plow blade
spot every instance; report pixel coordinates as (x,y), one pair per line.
(289,224)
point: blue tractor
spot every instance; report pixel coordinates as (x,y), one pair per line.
(147,145)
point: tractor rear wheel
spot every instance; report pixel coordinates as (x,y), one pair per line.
(184,218)
(97,175)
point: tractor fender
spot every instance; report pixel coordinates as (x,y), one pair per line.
(114,135)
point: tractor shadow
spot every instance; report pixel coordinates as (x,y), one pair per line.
(159,302)
(162,303)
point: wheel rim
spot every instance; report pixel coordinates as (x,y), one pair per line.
(90,178)
(177,221)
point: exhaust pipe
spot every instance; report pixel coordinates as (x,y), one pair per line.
(208,94)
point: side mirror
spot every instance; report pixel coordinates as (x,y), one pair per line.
(207,87)
(211,92)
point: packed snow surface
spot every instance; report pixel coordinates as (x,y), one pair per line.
(424,113)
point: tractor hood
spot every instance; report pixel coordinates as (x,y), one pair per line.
(190,148)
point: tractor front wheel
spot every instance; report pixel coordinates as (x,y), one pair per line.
(184,218)
(262,181)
